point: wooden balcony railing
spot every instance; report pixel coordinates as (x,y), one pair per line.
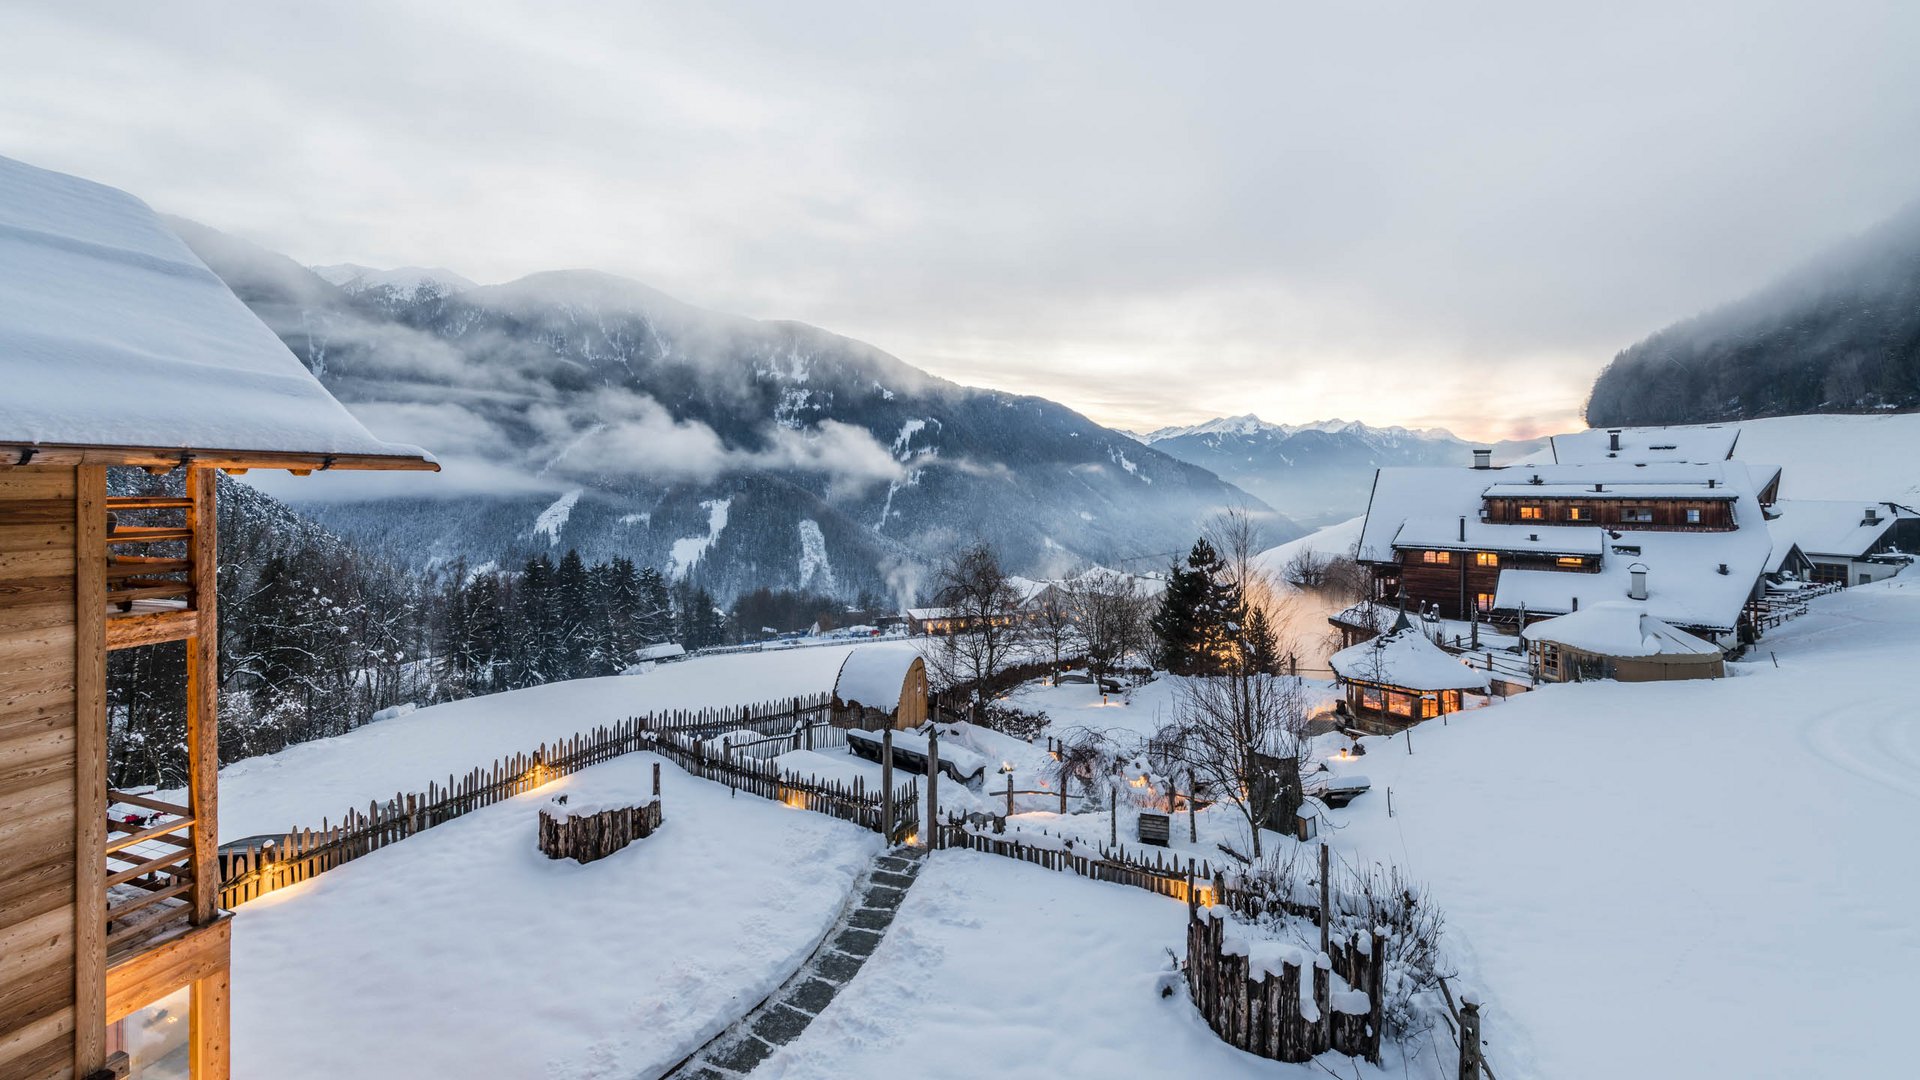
(149,870)
(157,563)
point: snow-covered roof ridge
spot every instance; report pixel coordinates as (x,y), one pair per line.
(1406,658)
(1621,628)
(1694,444)
(114,334)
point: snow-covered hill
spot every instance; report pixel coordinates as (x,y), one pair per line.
(655,412)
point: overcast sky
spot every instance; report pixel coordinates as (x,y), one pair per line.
(1425,214)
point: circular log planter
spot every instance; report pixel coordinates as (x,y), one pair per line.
(585,833)
(1283,1004)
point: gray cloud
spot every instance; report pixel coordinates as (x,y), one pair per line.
(1152,213)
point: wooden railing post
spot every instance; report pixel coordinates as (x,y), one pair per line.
(1470,1056)
(933,787)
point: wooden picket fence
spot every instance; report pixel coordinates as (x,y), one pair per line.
(254,870)
(1165,875)
(854,802)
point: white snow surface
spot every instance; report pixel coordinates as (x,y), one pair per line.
(687,551)
(1862,458)
(813,556)
(554,518)
(1618,628)
(875,675)
(303,784)
(113,333)
(1617,857)
(1025,973)
(466,952)
(1832,527)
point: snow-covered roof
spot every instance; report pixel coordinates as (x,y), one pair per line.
(114,334)
(1682,444)
(1445,534)
(1684,583)
(1405,658)
(924,613)
(1701,489)
(665,650)
(1621,628)
(874,677)
(1823,527)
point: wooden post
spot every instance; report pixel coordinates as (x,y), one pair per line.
(886,783)
(1193,823)
(203,702)
(933,787)
(1470,1059)
(1009,794)
(656,779)
(1113,813)
(1326,915)
(90,765)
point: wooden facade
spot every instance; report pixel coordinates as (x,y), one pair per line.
(101,918)
(1646,514)
(1460,582)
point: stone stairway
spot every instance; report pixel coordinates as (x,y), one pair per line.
(780,1019)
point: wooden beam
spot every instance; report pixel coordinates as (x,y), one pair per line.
(150,628)
(145,977)
(169,458)
(90,758)
(203,703)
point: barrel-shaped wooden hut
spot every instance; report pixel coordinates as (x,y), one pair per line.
(881,686)
(1619,640)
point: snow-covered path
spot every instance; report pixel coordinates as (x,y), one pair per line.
(465,952)
(1682,879)
(303,784)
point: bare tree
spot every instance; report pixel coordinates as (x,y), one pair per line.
(1241,736)
(1307,569)
(1111,615)
(983,606)
(1053,623)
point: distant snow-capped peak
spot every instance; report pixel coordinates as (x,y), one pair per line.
(1249,424)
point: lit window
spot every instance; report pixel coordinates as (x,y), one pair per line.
(1576,513)
(1441,557)
(1483,601)
(1693,516)
(1486,558)
(1573,561)
(1532,513)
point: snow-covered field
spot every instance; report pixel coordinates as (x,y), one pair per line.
(1001,969)
(465,952)
(303,784)
(1683,879)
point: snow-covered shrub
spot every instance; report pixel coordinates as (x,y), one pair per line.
(1019,723)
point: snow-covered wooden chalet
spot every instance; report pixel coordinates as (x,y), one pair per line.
(1661,517)
(1849,543)
(119,348)
(1403,676)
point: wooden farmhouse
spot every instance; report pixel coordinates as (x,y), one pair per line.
(1402,677)
(1628,517)
(1849,543)
(880,686)
(118,348)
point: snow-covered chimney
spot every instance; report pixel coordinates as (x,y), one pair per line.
(1613,439)
(1483,459)
(1637,582)
(1873,516)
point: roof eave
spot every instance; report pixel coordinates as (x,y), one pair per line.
(171,457)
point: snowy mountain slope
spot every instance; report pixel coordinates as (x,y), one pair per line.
(655,409)
(1839,333)
(1315,473)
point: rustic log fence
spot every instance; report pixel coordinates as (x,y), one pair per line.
(588,835)
(252,869)
(1286,1006)
(868,808)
